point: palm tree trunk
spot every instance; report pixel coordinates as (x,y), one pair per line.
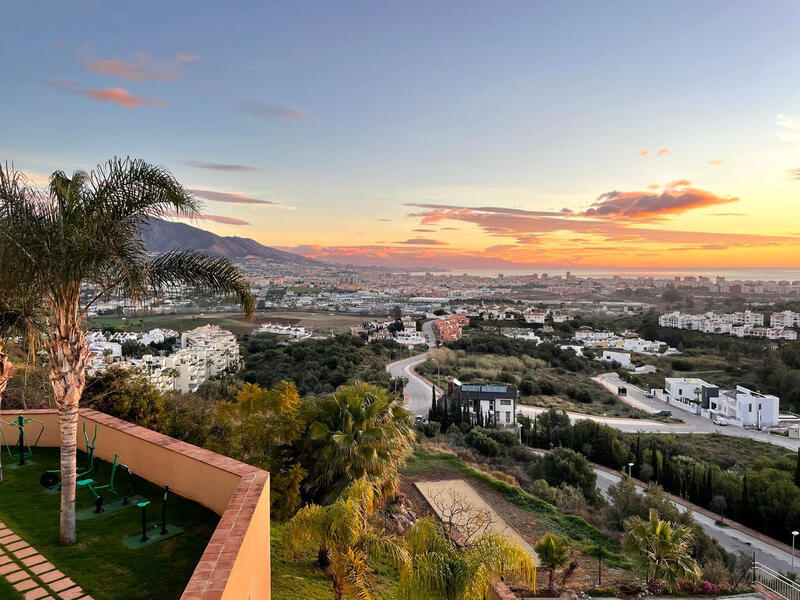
(69,361)
(323,557)
(337,589)
(6,371)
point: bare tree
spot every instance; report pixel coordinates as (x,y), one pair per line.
(461,517)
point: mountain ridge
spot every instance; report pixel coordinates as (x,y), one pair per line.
(161,236)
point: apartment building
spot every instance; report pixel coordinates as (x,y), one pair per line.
(496,403)
(449,328)
(785,318)
(222,349)
(738,324)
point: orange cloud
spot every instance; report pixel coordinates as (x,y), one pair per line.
(141,68)
(716,162)
(643,153)
(675,199)
(664,151)
(121,97)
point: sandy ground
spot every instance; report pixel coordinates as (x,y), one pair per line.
(463,490)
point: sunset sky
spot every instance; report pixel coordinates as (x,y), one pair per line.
(497,134)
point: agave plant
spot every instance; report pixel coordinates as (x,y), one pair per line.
(80,241)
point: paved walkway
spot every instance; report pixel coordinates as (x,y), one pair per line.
(31,574)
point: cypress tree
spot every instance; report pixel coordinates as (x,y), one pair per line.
(744,507)
(654,463)
(637,467)
(797,469)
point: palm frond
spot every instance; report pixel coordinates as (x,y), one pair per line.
(202,271)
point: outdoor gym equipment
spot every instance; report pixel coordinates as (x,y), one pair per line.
(163,525)
(52,478)
(93,486)
(24,448)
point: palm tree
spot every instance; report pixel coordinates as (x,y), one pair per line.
(345,540)
(660,549)
(80,241)
(442,570)
(358,431)
(20,315)
(553,552)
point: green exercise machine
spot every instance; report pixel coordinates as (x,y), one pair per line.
(24,449)
(52,479)
(94,487)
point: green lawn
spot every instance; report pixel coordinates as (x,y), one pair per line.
(100,562)
(7,591)
(295,575)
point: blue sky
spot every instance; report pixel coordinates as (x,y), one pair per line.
(349,111)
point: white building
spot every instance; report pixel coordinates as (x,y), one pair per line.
(295,333)
(689,393)
(623,358)
(222,349)
(745,407)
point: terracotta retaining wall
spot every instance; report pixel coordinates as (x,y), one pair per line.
(236,562)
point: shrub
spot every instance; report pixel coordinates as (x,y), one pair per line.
(482,443)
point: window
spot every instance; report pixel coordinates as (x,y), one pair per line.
(508,416)
(505,402)
(749,408)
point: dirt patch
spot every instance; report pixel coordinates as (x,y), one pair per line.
(523,522)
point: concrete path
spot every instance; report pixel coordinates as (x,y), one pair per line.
(31,574)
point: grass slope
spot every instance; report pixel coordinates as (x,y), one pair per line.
(578,532)
(100,562)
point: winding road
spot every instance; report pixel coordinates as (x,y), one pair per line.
(418,400)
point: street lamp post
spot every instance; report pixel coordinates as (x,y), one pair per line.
(794,534)
(630,469)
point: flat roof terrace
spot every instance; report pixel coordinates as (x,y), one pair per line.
(235,563)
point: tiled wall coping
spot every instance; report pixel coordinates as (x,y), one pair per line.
(235,564)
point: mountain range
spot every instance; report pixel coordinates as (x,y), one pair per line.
(161,236)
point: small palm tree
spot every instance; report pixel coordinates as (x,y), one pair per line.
(553,553)
(660,549)
(358,431)
(80,241)
(345,540)
(442,570)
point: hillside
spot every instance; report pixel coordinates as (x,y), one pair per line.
(161,236)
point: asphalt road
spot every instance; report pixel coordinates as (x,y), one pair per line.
(694,423)
(733,540)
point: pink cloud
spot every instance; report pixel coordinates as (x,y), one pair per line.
(643,153)
(423,242)
(141,68)
(120,97)
(664,151)
(215,218)
(675,199)
(228,197)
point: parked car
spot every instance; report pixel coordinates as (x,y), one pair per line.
(663,413)
(419,419)
(720,422)
(622,391)
(648,394)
